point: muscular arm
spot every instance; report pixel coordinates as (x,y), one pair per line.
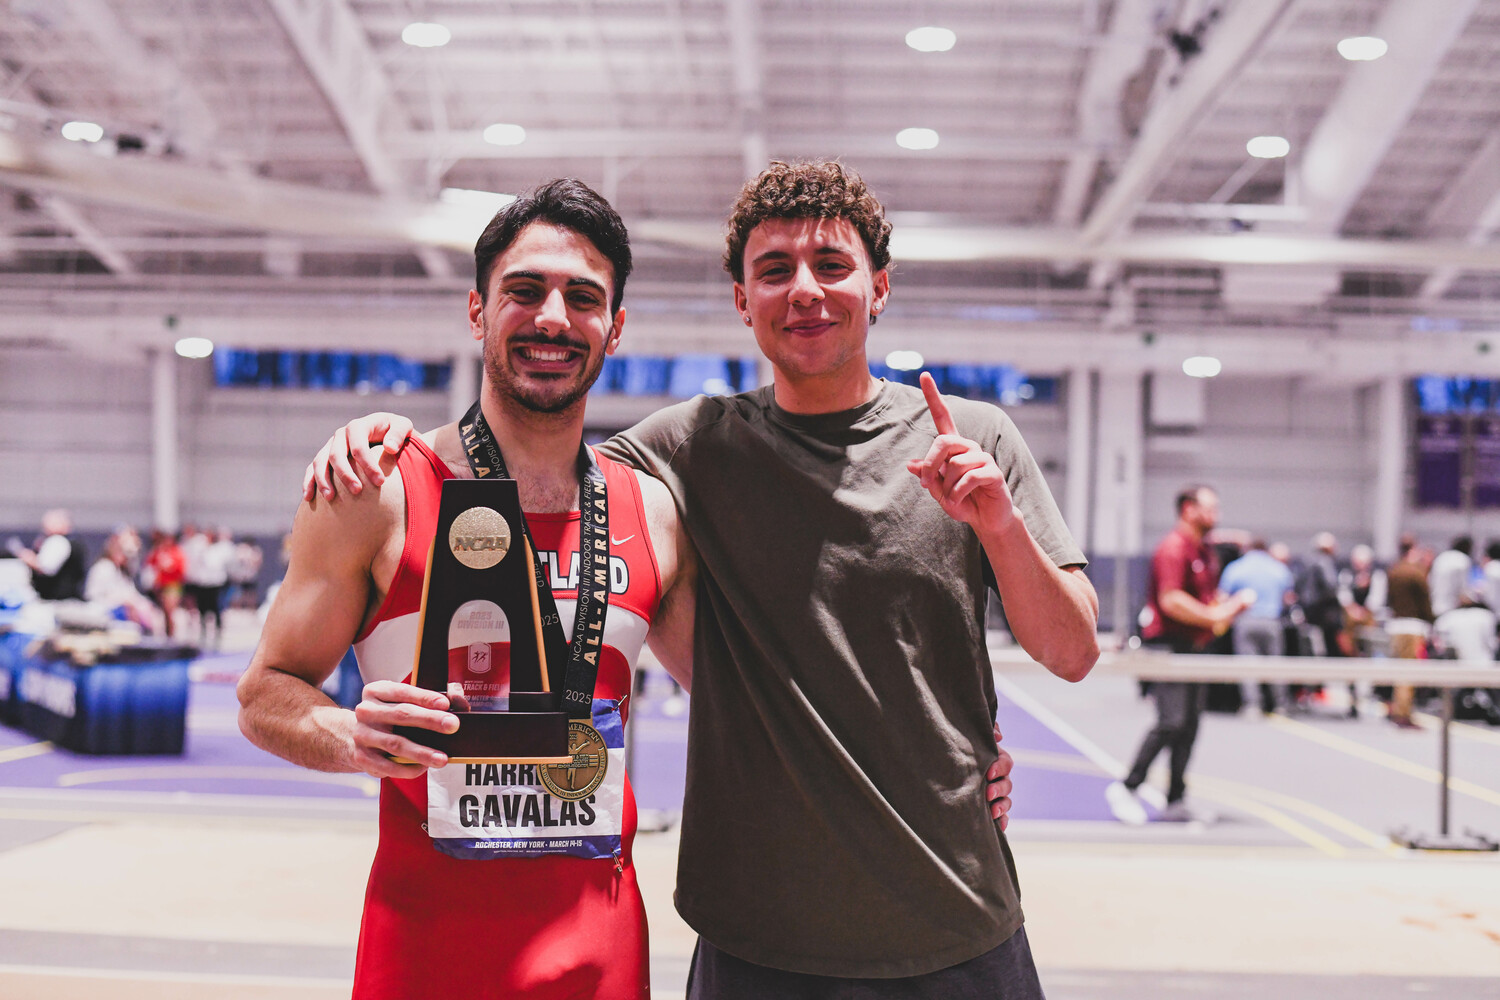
(328,592)
(671,635)
(1052,611)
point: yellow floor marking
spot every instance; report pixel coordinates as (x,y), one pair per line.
(369,786)
(1317,813)
(1461,730)
(1389,760)
(1224,792)
(28,750)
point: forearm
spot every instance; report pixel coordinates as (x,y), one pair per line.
(1053,612)
(1182,607)
(285,715)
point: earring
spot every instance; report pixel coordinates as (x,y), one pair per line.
(747,320)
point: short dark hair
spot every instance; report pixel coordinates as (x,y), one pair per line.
(815,189)
(1189,494)
(569,204)
(1464,544)
(1492,550)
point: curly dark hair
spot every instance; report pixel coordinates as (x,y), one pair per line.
(816,189)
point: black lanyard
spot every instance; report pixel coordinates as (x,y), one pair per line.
(582,654)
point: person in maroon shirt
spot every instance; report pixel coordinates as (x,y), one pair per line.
(1183,613)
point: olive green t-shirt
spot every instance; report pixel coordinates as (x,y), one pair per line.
(835,821)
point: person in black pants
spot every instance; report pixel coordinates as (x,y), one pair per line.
(1183,614)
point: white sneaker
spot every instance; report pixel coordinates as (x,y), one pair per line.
(1125,804)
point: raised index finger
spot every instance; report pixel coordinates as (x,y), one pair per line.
(939,409)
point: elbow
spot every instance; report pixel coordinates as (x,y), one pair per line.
(245,690)
(1075,664)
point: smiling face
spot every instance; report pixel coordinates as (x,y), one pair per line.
(809,292)
(545,320)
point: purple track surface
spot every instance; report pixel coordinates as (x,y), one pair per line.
(219,760)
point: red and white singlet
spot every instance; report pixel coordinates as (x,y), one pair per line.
(554,926)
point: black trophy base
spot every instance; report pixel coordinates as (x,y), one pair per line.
(500,738)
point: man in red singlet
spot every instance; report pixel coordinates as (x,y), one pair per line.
(485,884)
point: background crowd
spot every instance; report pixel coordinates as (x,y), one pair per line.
(1422,605)
(178,586)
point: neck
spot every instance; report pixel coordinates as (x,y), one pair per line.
(828,393)
(540,449)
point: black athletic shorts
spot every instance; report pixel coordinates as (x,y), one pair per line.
(1005,972)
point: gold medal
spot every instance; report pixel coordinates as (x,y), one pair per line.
(584,773)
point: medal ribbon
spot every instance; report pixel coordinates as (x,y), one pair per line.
(582,654)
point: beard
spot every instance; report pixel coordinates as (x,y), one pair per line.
(540,393)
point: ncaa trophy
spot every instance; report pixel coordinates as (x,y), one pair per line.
(480,606)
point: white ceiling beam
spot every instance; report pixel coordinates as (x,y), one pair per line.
(749,84)
(1231,44)
(192,124)
(1470,207)
(1373,105)
(66,214)
(259,205)
(435,329)
(651,143)
(88,235)
(1131,37)
(332,43)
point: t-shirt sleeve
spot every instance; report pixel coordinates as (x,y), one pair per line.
(54,551)
(1169,568)
(652,444)
(1032,498)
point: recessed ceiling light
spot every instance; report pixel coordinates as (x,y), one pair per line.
(903,361)
(916,138)
(1202,366)
(194,347)
(488,202)
(503,134)
(1362,48)
(425,35)
(931,39)
(1268,147)
(82,131)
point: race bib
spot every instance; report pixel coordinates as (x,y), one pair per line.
(482,811)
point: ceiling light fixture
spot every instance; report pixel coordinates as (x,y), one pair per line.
(504,134)
(1268,147)
(488,202)
(194,347)
(1202,366)
(425,35)
(82,131)
(931,39)
(916,138)
(1363,48)
(904,361)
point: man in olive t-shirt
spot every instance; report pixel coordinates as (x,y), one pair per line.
(834,823)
